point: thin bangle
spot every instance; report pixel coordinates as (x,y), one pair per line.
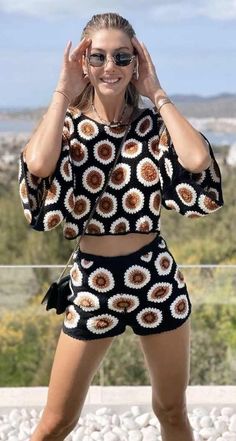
(162,102)
(59,91)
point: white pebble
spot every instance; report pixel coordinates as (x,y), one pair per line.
(143,419)
(135,410)
(128,413)
(115,420)
(195,422)
(227,411)
(129,423)
(96,436)
(232,424)
(216,424)
(215,412)
(229,436)
(25,413)
(206,432)
(200,411)
(106,429)
(197,437)
(120,432)
(149,433)
(135,435)
(220,426)
(110,436)
(34,413)
(206,421)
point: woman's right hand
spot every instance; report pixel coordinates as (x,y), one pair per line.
(72,79)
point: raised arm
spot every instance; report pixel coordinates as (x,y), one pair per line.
(42,151)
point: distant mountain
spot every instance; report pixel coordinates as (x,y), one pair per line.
(216,106)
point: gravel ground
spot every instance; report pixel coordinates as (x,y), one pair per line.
(213,424)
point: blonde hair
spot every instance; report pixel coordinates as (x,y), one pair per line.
(108,20)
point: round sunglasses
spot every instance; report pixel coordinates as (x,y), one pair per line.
(120,59)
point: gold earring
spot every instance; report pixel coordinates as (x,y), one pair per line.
(135,74)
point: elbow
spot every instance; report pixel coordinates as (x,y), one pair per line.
(202,164)
(198,164)
(37,169)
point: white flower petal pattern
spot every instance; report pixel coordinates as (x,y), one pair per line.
(144,224)
(120,176)
(163,263)
(102,323)
(76,275)
(136,276)
(160,292)
(187,194)
(101,280)
(120,225)
(121,302)
(147,256)
(104,151)
(86,301)
(179,277)
(71,317)
(133,200)
(180,307)
(149,317)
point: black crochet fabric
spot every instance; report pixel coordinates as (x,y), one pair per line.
(147,176)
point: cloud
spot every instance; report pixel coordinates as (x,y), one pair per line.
(164,10)
(172,11)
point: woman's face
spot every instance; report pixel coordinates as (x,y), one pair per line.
(110,79)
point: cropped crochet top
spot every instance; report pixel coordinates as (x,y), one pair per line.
(146,177)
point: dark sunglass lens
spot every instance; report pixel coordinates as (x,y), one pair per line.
(123,59)
(96,59)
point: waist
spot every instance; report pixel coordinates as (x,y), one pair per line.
(115,245)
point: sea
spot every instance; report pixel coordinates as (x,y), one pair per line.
(15,126)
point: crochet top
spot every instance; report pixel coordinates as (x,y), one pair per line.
(146,177)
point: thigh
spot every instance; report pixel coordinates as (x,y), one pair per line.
(167,356)
(75,363)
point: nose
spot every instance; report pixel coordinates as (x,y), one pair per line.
(109,60)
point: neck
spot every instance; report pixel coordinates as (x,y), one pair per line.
(109,110)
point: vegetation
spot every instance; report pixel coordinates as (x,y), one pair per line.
(26,330)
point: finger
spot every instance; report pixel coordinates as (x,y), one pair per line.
(148,56)
(82,46)
(67,49)
(139,48)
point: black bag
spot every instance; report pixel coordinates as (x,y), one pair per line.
(59,291)
(57,295)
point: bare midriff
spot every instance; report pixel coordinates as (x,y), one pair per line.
(115,245)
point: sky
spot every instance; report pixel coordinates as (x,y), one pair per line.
(192,44)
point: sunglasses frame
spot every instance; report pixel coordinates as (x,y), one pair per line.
(133,56)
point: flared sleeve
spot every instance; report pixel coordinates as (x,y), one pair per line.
(47,201)
(190,194)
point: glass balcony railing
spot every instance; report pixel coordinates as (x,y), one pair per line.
(29,334)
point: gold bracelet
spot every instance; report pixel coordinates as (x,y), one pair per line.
(59,91)
(161,103)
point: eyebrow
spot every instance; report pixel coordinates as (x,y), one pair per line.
(117,49)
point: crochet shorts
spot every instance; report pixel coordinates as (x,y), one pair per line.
(144,289)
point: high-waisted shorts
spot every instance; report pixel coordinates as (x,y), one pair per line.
(144,289)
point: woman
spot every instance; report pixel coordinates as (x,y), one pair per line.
(123,273)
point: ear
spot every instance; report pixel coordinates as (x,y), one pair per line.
(136,72)
(84,64)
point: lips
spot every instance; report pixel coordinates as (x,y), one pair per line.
(110,80)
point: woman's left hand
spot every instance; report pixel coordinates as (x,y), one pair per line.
(147,83)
